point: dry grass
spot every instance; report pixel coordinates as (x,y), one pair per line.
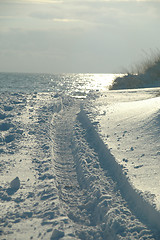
(145,73)
(150,60)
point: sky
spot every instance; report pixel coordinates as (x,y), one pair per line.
(76,36)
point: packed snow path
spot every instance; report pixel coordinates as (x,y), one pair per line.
(65,192)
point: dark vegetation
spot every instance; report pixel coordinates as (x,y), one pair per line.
(147,74)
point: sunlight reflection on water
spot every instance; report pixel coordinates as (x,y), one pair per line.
(65,83)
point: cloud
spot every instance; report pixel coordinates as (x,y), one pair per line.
(7,17)
(43,1)
(74,35)
(65,20)
(43,15)
(31,1)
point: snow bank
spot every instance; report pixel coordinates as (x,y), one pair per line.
(103,204)
(131,130)
(142,209)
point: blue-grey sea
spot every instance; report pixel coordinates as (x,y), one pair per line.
(72,84)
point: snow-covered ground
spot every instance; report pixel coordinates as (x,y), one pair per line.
(86,168)
(132,131)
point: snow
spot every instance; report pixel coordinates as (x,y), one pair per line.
(135,139)
(80,168)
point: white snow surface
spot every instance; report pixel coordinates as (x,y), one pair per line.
(81,168)
(132,129)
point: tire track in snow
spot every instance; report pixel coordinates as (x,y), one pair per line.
(71,195)
(89,197)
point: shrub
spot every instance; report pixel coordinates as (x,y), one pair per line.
(146,74)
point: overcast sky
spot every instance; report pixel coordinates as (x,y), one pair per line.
(76,36)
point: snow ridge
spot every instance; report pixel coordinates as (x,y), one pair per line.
(141,208)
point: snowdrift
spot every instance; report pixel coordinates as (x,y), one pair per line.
(142,209)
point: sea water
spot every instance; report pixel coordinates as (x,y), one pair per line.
(71,84)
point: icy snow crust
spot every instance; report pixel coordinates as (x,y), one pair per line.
(77,168)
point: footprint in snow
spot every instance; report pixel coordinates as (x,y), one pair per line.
(139,166)
(8,108)
(14,186)
(5,126)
